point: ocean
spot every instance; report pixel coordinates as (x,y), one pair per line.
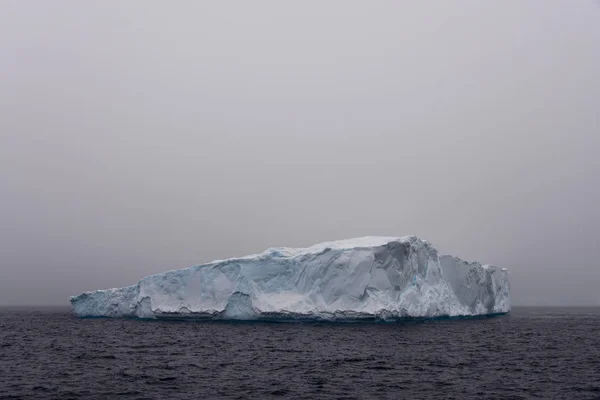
(532,353)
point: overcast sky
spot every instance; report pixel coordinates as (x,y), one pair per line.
(138,136)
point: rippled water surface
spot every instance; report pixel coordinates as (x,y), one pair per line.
(547,353)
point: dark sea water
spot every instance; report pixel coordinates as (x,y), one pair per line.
(542,353)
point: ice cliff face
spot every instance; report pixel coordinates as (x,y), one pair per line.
(365,278)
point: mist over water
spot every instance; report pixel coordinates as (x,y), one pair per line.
(137,138)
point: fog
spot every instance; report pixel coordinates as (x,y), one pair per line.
(138,137)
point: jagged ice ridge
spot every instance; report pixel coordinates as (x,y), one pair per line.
(381,278)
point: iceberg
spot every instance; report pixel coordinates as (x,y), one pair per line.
(369,278)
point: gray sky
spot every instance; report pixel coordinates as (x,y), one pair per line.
(138,137)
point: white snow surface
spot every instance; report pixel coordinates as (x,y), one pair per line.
(381,278)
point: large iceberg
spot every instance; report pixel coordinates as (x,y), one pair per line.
(371,278)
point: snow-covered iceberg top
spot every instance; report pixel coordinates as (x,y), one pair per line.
(383,278)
